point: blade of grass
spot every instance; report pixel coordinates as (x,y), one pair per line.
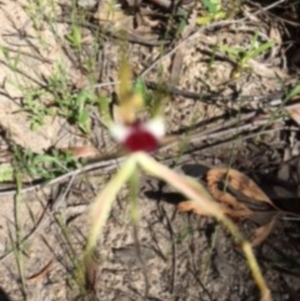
(18,246)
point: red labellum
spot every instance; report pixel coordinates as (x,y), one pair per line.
(140,139)
(139,136)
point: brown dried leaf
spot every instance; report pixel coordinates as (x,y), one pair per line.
(237,181)
(261,233)
(232,206)
(177,63)
(295,114)
(81,151)
(275,35)
(265,71)
(144,22)
(246,202)
(114,16)
(191,206)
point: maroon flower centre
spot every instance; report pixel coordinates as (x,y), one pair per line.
(140,139)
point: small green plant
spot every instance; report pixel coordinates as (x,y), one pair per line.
(75,37)
(75,109)
(182,20)
(242,55)
(213,12)
(11,60)
(6,172)
(43,166)
(33,105)
(64,101)
(35,10)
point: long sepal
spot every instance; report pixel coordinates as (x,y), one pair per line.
(196,192)
(101,207)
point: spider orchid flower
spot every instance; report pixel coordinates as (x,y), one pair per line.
(139,138)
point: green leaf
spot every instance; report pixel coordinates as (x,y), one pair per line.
(181,26)
(220,15)
(209,6)
(6,172)
(262,48)
(84,119)
(104,110)
(141,87)
(294,91)
(232,52)
(204,20)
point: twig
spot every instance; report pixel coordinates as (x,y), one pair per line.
(213,97)
(269,7)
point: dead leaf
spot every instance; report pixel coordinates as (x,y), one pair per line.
(247,197)
(275,35)
(144,21)
(81,151)
(240,199)
(261,233)
(265,71)
(176,67)
(295,114)
(191,206)
(114,16)
(237,181)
